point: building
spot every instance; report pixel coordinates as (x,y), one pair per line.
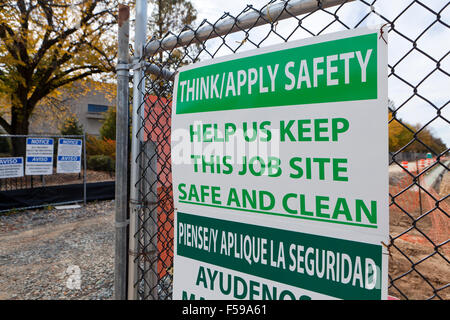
(88,101)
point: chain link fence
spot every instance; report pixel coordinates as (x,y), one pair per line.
(35,176)
(40,170)
(418,82)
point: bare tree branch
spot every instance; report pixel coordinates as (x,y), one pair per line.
(5,124)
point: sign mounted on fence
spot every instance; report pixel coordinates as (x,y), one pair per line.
(11,167)
(69,156)
(279,164)
(39,156)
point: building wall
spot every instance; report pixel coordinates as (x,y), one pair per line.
(49,120)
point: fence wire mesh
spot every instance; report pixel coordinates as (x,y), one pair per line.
(20,189)
(418,82)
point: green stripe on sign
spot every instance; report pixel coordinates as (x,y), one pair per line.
(332,71)
(339,268)
(281,214)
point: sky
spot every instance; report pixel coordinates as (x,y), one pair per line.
(434,42)
(413,68)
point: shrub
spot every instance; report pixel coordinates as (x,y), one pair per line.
(108,129)
(101,163)
(96,146)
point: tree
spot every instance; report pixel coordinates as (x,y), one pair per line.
(170,16)
(46,45)
(108,129)
(426,141)
(72,127)
(400,134)
(423,140)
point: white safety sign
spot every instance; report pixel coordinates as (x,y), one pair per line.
(69,155)
(39,156)
(279,167)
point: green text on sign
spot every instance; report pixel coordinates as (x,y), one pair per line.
(335,267)
(332,71)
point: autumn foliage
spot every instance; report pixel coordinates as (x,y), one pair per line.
(99,146)
(46,46)
(412,138)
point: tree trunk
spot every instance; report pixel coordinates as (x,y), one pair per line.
(18,147)
(19,125)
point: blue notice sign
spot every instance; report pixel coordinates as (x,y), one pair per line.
(40,141)
(11,167)
(39,159)
(74,142)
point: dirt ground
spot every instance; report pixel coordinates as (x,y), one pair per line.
(444,189)
(419,254)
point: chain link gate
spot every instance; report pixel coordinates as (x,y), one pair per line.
(418,238)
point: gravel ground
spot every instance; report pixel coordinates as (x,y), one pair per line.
(58,254)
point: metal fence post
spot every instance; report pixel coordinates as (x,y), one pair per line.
(122,132)
(85,168)
(138,99)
